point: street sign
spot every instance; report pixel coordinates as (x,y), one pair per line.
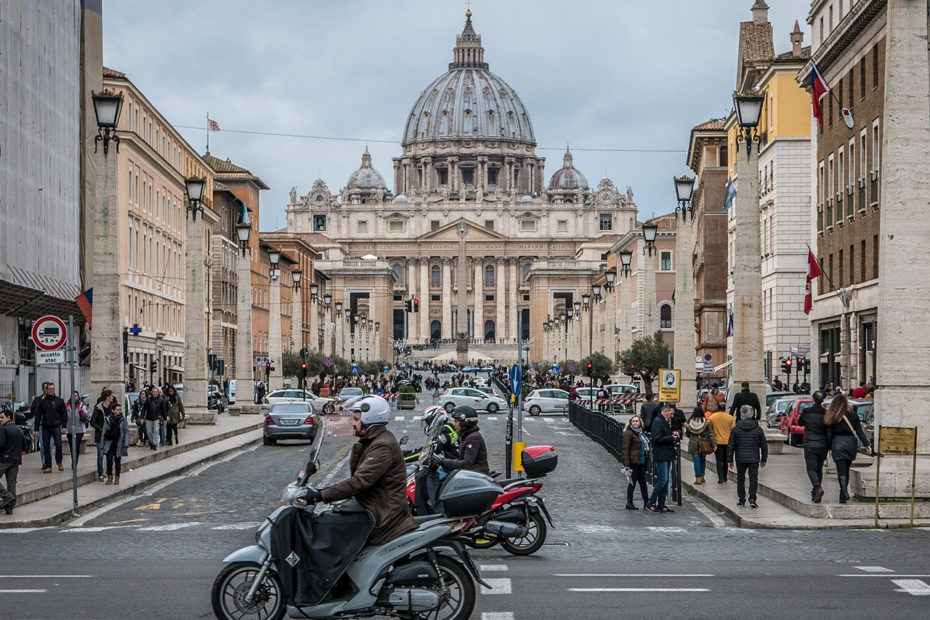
(386,369)
(49,333)
(355,370)
(698,364)
(261,361)
(50,357)
(515,379)
(572,367)
(669,385)
(897,440)
(556,368)
(328,362)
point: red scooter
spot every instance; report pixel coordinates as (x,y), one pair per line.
(515,520)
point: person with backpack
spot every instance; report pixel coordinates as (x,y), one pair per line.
(97,420)
(115,441)
(11,457)
(713,401)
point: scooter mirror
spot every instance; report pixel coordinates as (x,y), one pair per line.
(313,464)
(404,439)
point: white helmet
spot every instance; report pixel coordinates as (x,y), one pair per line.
(375,410)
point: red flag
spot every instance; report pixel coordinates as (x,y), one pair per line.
(213,125)
(819,88)
(813,270)
(85,302)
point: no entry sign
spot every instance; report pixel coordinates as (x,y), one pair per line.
(49,333)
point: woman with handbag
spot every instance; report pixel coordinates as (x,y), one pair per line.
(634,452)
(701,442)
(843,427)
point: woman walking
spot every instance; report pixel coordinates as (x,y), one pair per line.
(176,408)
(77,425)
(815,444)
(115,441)
(701,442)
(842,429)
(634,448)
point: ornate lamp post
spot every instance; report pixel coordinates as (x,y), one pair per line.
(650,324)
(196,373)
(276,376)
(245,377)
(684,291)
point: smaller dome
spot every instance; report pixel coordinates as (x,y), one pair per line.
(568,177)
(366,177)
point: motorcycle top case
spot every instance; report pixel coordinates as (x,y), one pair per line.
(467,493)
(539,460)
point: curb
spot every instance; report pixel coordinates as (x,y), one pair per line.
(65,515)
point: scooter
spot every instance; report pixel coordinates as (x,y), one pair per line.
(426,572)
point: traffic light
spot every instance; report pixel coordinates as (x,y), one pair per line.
(590,367)
(800,363)
(153,365)
(786,366)
(125,345)
(416,304)
(807,365)
(408,305)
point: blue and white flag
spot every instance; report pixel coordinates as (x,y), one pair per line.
(729,322)
(730,194)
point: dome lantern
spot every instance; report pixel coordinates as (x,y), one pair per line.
(568,177)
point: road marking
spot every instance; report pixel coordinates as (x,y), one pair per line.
(716,519)
(332,474)
(24,530)
(494,567)
(497,615)
(398,418)
(168,527)
(416,418)
(248,525)
(23,591)
(102,528)
(46,576)
(666,530)
(883,575)
(492,418)
(639,590)
(914,587)
(631,575)
(498,586)
(874,569)
(549,420)
(569,433)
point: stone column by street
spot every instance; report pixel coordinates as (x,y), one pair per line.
(106,357)
(500,327)
(447,327)
(276,378)
(684,315)
(512,294)
(244,359)
(748,356)
(479,300)
(650,320)
(424,300)
(338,327)
(196,373)
(412,333)
(297,320)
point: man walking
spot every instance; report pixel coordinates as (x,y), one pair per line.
(745,397)
(52,415)
(663,451)
(34,414)
(721,423)
(746,442)
(11,456)
(153,416)
(647,411)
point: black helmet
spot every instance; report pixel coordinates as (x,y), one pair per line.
(466,416)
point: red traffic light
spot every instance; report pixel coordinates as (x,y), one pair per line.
(788,363)
(303,366)
(416,305)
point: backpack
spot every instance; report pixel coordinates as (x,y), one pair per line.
(114,431)
(712,404)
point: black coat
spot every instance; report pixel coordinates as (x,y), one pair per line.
(745,397)
(11,443)
(815,431)
(473,453)
(841,439)
(747,439)
(646,413)
(51,412)
(663,442)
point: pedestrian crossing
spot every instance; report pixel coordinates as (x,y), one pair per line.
(556,420)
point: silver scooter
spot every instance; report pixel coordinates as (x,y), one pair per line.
(424,573)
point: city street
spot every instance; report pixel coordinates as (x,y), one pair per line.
(155,554)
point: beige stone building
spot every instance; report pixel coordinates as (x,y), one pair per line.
(471,231)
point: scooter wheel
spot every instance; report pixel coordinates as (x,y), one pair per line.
(533,539)
(458,601)
(231,587)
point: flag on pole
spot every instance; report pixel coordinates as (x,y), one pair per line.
(212,125)
(813,270)
(85,302)
(673,298)
(729,322)
(818,89)
(730,194)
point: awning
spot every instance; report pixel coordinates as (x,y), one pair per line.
(30,295)
(175,368)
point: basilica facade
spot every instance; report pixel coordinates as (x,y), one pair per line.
(471,235)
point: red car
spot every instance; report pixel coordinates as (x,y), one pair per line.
(789,425)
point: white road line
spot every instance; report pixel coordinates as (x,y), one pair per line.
(639,590)
(874,569)
(329,477)
(169,527)
(102,528)
(493,567)
(24,530)
(884,575)
(632,575)
(666,530)
(398,418)
(498,586)
(416,417)
(248,525)
(714,518)
(46,576)
(549,420)
(497,615)
(492,418)
(23,591)
(914,587)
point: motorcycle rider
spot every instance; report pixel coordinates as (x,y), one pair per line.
(472,451)
(441,443)
(378,476)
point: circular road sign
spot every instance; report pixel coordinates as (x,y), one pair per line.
(49,333)
(328,362)
(572,367)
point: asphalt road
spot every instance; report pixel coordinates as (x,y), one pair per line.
(154,555)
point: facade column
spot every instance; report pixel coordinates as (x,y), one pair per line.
(195,346)
(650,321)
(297,322)
(684,314)
(424,300)
(500,328)
(513,295)
(106,359)
(339,332)
(412,332)
(245,362)
(276,378)
(446,297)
(478,313)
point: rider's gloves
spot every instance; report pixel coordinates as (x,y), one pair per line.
(313,496)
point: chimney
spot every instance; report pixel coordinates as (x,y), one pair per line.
(760,12)
(797,40)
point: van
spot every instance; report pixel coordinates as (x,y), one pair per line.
(231,397)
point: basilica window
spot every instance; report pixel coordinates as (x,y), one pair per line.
(492,176)
(489,332)
(489,224)
(319,223)
(489,276)
(434,276)
(443,176)
(606,221)
(527,225)
(362,226)
(396,225)
(526,271)
(434,224)
(468,176)
(398,273)
(561,226)
(665,260)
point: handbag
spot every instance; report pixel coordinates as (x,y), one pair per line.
(706,446)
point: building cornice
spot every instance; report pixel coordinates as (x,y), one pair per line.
(847,31)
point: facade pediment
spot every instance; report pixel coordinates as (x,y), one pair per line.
(450,232)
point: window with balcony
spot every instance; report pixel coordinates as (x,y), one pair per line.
(665,260)
(468,176)
(319,223)
(665,316)
(443,176)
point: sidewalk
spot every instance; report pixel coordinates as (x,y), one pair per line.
(785,501)
(47,499)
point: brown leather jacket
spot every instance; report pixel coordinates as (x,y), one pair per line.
(379,483)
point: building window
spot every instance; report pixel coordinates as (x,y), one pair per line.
(526,298)
(319,223)
(665,260)
(362,226)
(820,185)
(434,224)
(852,264)
(665,316)
(526,272)
(875,66)
(862,275)
(489,333)
(876,146)
(492,176)
(606,221)
(435,330)
(852,167)
(561,226)
(443,176)
(434,297)
(434,276)
(398,274)
(489,297)
(489,224)
(527,225)
(396,225)
(468,176)
(840,269)
(862,78)
(489,275)
(722,159)
(771,112)
(875,256)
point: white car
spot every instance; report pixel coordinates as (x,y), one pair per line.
(546,401)
(454,397)
(324,405)
(349,395)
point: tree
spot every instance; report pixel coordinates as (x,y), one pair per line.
(340,367)
(290,364)
(645,358)
(543,367)
(372,368)
(601,367)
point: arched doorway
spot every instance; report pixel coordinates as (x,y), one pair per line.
(435,330)
(489,330)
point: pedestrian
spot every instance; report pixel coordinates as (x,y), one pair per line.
(721,423)
(138,417)
(77,425)
(713,401)
(52,416)
(102,411)
(843,427)
(745,397)
(647,411)
(815,443)
(701,442)
(663,451)
(12,444)
(115,441)
(749,449)
(153,411)
(34,414)
(176,413)
(634,452)
(859,392)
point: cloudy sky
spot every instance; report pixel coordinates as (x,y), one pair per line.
(593,74)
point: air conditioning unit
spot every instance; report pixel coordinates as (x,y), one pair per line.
(861,182)
(874,175)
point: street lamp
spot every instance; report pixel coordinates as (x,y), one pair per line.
(748,110)
(577,306)
(684,188)
(314,289)
(295,276)
(649,236)
(327,299)
(244,231)
(338,308)
(274,257)
(626,258)
(107,106)
(194,187)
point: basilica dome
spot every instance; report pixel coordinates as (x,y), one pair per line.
(366,177)
(568,177)
(468,101)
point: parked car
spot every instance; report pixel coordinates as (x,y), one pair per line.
(546,401)
(349,395)
(790,428)
(289,420)
(482,401)
(215,398)
(324,405)
(776,409)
